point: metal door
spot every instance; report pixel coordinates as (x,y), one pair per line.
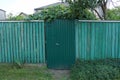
(60,44)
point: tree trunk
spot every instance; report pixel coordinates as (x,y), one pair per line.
(104,8)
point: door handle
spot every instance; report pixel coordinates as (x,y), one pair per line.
(57,44)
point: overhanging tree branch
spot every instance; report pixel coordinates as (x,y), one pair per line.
(98,14)
(92,4)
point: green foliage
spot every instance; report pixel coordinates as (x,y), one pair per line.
(18,64)
(56,12)
(81,9)
(113,14)
(83,4)
(92,5)
(19,18)
(84,14)
(16,18)
(11,17)
(62,12)
(108,69)
(25,73)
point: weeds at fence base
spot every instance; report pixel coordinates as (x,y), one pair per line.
(107,69)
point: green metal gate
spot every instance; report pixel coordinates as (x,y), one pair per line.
(60,44)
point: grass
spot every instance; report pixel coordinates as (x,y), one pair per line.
(7,72)
(107,69)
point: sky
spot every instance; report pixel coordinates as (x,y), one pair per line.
(26,6)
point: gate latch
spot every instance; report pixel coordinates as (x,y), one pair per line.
(57,44)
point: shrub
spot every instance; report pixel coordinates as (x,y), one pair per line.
(63,12)
(96,70)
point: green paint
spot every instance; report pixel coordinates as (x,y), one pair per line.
(66,40)
(103,37)
(20,41)
(60,44)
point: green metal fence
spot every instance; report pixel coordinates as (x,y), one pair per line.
(97,39)
(22,41)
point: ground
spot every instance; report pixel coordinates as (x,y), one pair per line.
(31,72)
(28,72)
(60,74)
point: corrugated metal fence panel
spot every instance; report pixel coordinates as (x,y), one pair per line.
(97,40)
(22,41)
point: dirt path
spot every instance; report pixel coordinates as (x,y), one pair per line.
(60,74)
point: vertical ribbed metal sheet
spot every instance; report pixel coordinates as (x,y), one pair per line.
(97,39)
(22,41)
(60,44)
